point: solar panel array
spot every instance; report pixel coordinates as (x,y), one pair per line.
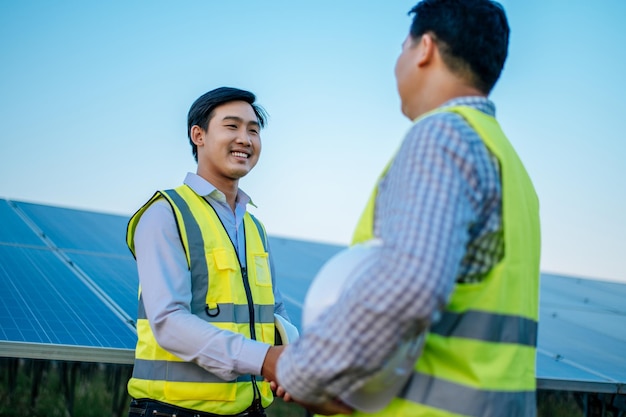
(48,301)
(68,290)
(582,335)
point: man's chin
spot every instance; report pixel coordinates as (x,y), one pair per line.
(239,173)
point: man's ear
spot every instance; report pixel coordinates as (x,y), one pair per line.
(427,48)
(197,135)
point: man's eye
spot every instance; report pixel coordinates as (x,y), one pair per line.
(231,126)
(256,132)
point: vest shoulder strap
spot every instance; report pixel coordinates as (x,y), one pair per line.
(261,230)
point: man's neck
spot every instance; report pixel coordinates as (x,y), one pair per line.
(231,196)
(442,88)
(227,186)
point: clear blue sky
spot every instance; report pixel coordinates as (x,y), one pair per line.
(94,97)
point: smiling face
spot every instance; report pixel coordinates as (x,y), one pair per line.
(230,146)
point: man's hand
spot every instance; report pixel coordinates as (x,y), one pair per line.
(268,370)
(326,409)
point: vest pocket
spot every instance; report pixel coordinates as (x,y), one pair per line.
(225,269)
(224,260)
(268,332)
(262,271)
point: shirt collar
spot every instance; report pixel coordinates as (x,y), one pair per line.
(205,189)
(479,103)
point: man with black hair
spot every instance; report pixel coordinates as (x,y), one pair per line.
(208,299)
(458,218)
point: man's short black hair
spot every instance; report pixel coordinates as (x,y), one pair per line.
(202,109)
(472,36)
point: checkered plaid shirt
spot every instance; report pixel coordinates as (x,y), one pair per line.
(438,211)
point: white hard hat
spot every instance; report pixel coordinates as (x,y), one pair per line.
(286,331)
(334,277)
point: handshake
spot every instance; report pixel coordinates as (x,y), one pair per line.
(268,371)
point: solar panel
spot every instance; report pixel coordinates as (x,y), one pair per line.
(44,302)
(48,307)
(581,334)
(116,276)
(583,294)
(68,289)
(13,229)
(79,229)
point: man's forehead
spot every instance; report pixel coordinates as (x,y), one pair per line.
(236,110)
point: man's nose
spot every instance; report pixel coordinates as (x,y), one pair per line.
(245,138)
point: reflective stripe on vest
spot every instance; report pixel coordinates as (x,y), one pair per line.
(424,389)
(231,313)
(479,359)
(487,327)
(178,371)
(223,293)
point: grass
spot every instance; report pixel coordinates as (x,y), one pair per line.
(40,388)
(44,388)
(557,404)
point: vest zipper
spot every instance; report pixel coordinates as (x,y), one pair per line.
(246,284)
(256,397)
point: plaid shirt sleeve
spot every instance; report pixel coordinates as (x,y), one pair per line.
(425,209)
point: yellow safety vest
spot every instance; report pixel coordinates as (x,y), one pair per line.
(224,294)
(479,359)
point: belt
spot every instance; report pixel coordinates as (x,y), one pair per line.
(151,408)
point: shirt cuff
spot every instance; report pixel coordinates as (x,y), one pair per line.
(250,360)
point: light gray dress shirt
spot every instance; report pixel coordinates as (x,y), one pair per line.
(166,288)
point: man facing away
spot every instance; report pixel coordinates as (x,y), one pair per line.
(207,293)
(458,218)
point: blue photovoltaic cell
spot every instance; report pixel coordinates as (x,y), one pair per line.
(585,294)
(584,346)
(13,229)
(44,302)
(115,275)
(557,370)
(78,229)
(582,322)
(579,322)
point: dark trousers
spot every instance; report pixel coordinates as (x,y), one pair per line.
(150,408)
